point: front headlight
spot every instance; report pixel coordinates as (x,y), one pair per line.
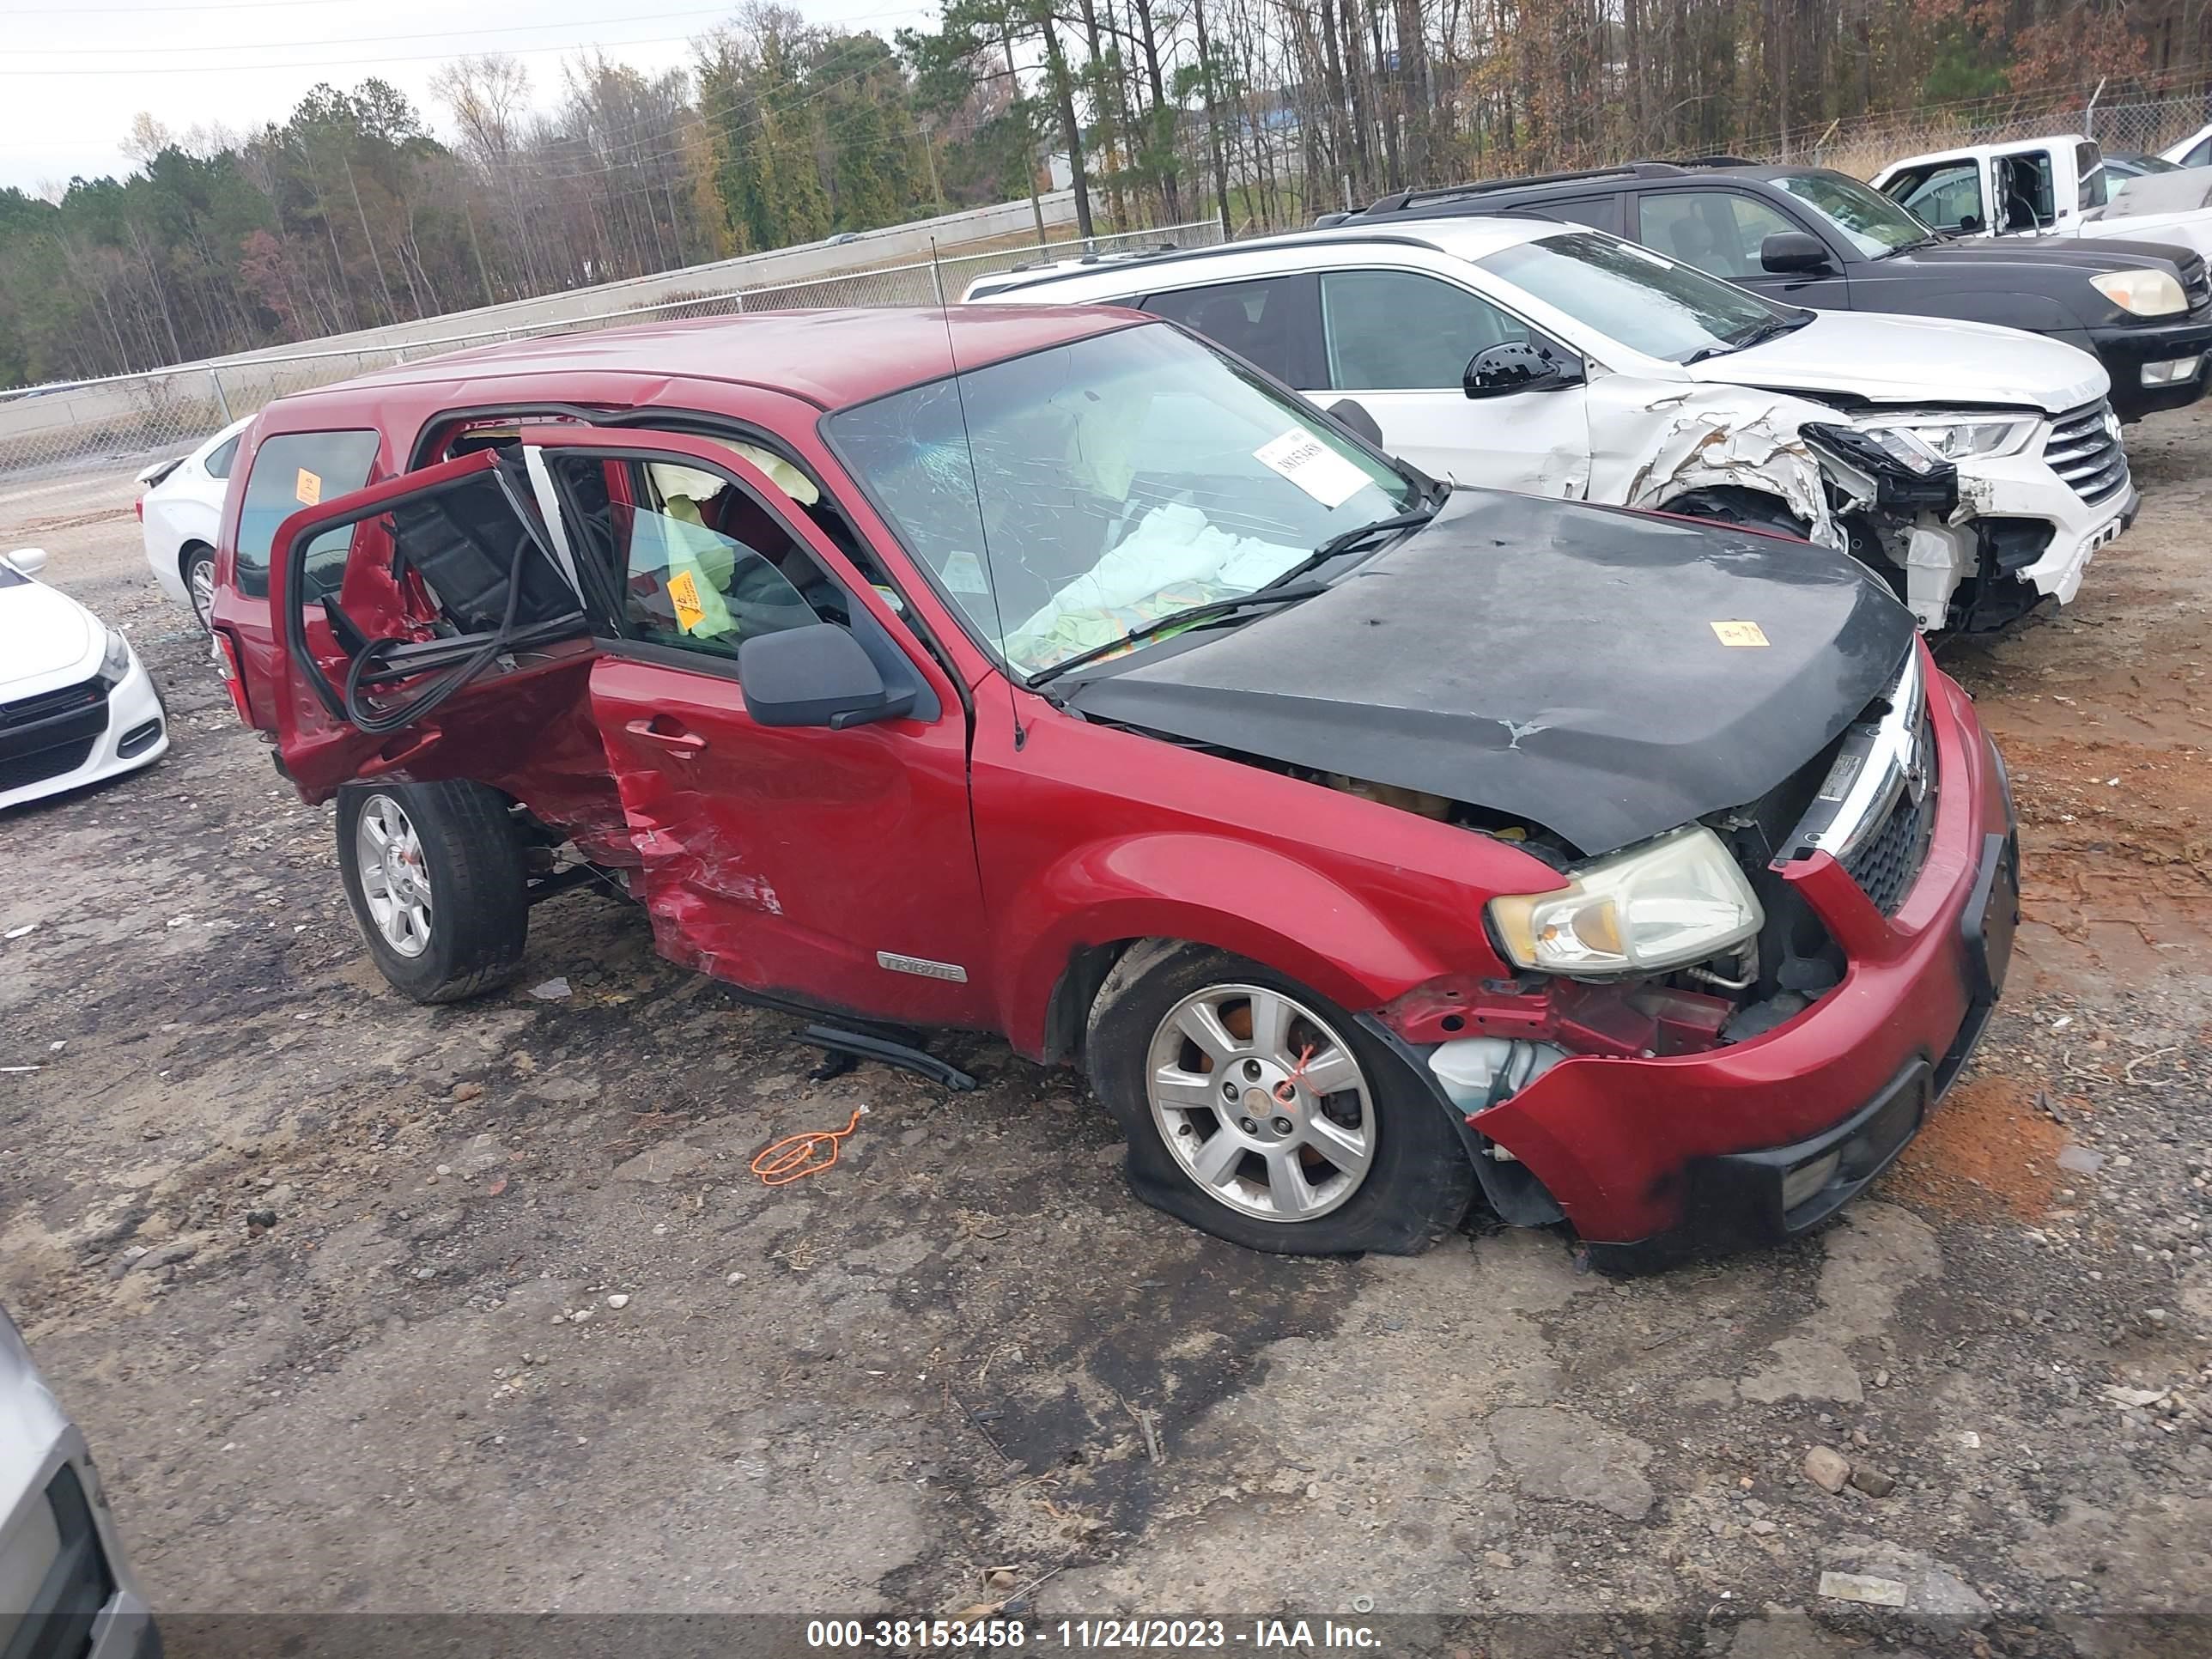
(2144,293)
(1958,437)
(115,665)
(1666,904)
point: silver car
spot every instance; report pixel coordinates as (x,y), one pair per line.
(65,1590)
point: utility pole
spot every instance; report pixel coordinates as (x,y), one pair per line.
(1213,126)
(1028,133)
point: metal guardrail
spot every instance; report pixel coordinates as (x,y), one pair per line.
(54,432)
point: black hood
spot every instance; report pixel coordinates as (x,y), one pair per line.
(2092,255)
(1555,662)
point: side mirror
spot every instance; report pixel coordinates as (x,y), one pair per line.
(1793,250)
(816,675)
(1970,224)
(1499,371)
(1352,416)
(28,559)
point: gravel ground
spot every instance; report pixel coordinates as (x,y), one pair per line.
(373,1308)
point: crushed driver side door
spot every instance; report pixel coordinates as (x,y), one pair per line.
(826,864)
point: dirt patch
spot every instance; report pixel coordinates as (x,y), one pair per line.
(1986,1152)
(2116,854)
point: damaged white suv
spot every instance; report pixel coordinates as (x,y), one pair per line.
(1977,468)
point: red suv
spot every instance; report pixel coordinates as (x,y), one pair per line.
(1369,843)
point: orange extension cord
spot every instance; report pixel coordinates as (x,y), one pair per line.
(801,1155)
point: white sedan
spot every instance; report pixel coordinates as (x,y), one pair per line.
(76,704)
(178,514)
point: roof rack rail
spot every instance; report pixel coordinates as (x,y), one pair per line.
(1151,251)
(1406,198)
(1688,161)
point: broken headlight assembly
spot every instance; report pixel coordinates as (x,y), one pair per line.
(1670,903)
(1955,437)
(115,665)
(2142,293)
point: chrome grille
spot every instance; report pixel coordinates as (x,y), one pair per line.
(2084,449)
(1886,864)
(1874,810)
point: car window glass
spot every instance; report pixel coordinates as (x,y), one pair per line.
(1258,321)
(217,464)
(2024,189)
(2199,154)
(700,564)
(1395,330)
(1717,231)
(1062,498)
(291,471)
(2089,169)
(1869,221)
(1949,196)
(1649,302)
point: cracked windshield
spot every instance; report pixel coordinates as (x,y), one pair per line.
(1069,497)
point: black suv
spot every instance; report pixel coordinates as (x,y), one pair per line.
(1813,237)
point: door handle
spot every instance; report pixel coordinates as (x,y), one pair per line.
(677,740)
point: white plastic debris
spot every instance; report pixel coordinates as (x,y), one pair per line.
(1860,1587)
(2125,1398)
(18,933)
(553,990)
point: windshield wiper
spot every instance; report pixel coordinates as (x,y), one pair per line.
(1412,518)
(1189,615)
(1933,239)
(1772,328)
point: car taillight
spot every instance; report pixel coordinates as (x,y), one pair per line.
(139,508)
(226,662)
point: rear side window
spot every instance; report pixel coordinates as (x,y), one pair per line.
(1271,322)
(1598,212)
(1393,330)
(291,471)
(217,464)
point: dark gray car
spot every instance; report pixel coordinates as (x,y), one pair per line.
(1811,236)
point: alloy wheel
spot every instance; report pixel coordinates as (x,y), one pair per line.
(1261,1102)
(199,582)
(395,878)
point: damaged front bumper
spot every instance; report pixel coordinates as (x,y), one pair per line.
(2015,534)
(1655,1156)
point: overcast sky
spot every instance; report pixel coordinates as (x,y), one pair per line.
(72,76)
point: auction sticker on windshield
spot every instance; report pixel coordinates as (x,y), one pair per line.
(1742,634)
(1313,466)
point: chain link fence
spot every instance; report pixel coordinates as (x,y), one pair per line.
(55,431)
(1863,147)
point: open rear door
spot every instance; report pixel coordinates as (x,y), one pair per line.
(450,621)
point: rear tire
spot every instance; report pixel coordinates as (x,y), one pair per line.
(197,569)
(436,876)
(1362,1159)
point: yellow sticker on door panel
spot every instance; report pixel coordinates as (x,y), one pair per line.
(308,486)
(683,593)
(1742,634)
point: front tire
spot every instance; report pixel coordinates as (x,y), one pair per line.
(436,876)
(1745,508)
(1260,1112)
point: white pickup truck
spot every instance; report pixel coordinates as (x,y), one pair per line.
(2032,186)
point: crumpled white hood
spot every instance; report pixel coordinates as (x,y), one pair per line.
(43,631)
(1922,360)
